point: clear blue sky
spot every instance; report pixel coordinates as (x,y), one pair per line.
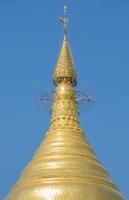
(29,41)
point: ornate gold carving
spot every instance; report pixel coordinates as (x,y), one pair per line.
(64,67)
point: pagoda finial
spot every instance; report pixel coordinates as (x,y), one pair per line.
(64,66)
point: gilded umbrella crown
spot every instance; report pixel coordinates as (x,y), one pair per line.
(65,66)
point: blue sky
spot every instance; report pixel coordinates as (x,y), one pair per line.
(30,37)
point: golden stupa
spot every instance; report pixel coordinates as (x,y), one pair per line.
(65,166)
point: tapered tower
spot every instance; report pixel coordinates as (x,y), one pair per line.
(65,166)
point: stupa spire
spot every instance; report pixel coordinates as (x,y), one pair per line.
(64,66)
(65,166)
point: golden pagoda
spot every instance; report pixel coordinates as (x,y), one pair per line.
(65,166)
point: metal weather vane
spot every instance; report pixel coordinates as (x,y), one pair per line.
(64,19)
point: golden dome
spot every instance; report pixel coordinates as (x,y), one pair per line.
(65,166)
